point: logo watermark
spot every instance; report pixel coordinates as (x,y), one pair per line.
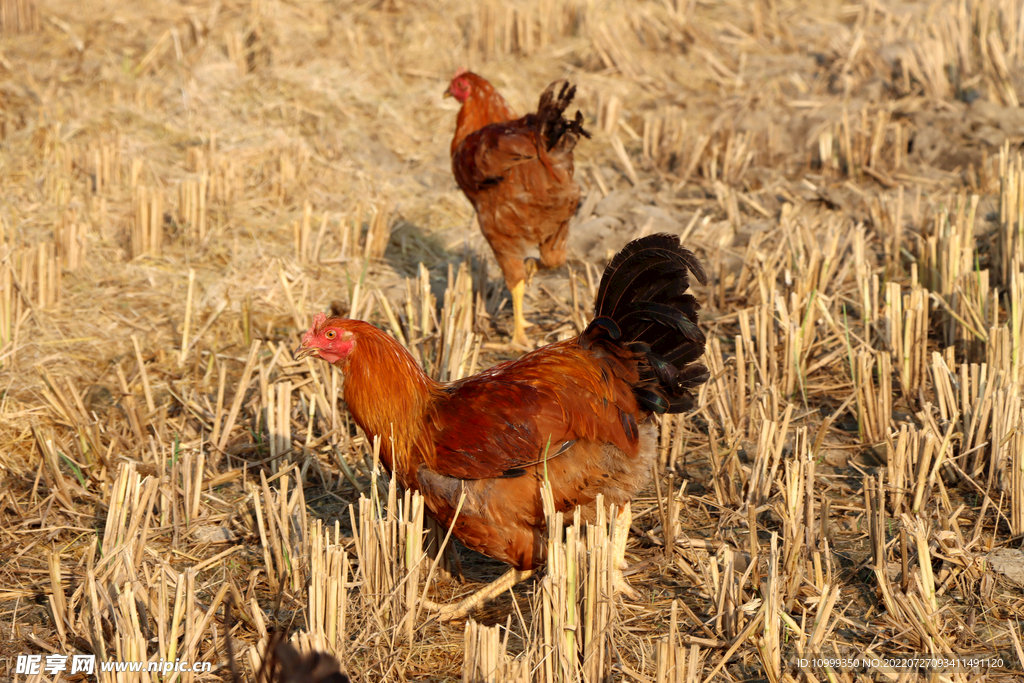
(31,665)
(899,663)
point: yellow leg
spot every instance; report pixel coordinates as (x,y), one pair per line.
(621,535)
(470,603)
(519,329)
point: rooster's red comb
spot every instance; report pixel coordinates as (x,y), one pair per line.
(318,320)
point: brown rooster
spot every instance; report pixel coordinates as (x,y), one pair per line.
(518,174)
(576,412)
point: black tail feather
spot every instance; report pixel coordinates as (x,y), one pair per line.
(552,124)
(643,296)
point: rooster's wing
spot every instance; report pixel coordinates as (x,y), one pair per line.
(519,414)
(485,158)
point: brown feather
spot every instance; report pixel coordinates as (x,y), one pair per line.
(575,413)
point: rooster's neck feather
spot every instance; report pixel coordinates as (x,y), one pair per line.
(484,106)
(388,394)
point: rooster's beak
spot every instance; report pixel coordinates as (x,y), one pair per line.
(305,352)
(448,93)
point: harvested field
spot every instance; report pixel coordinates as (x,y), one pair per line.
(185,184)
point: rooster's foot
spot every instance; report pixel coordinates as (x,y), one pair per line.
(477,599)
(621,587)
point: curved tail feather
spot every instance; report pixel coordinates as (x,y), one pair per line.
(643,304)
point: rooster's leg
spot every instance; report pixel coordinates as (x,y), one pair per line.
(519,330)
(460,609)
(621,535)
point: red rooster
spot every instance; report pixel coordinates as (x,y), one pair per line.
(576,411)
(518,174)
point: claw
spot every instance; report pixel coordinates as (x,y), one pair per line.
(622,587)
(462,608)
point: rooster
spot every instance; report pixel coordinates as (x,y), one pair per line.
(576,413)
(518,174)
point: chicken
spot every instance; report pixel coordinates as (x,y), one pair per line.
(518,174)
(576,412)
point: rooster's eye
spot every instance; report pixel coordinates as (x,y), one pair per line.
(330,334)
